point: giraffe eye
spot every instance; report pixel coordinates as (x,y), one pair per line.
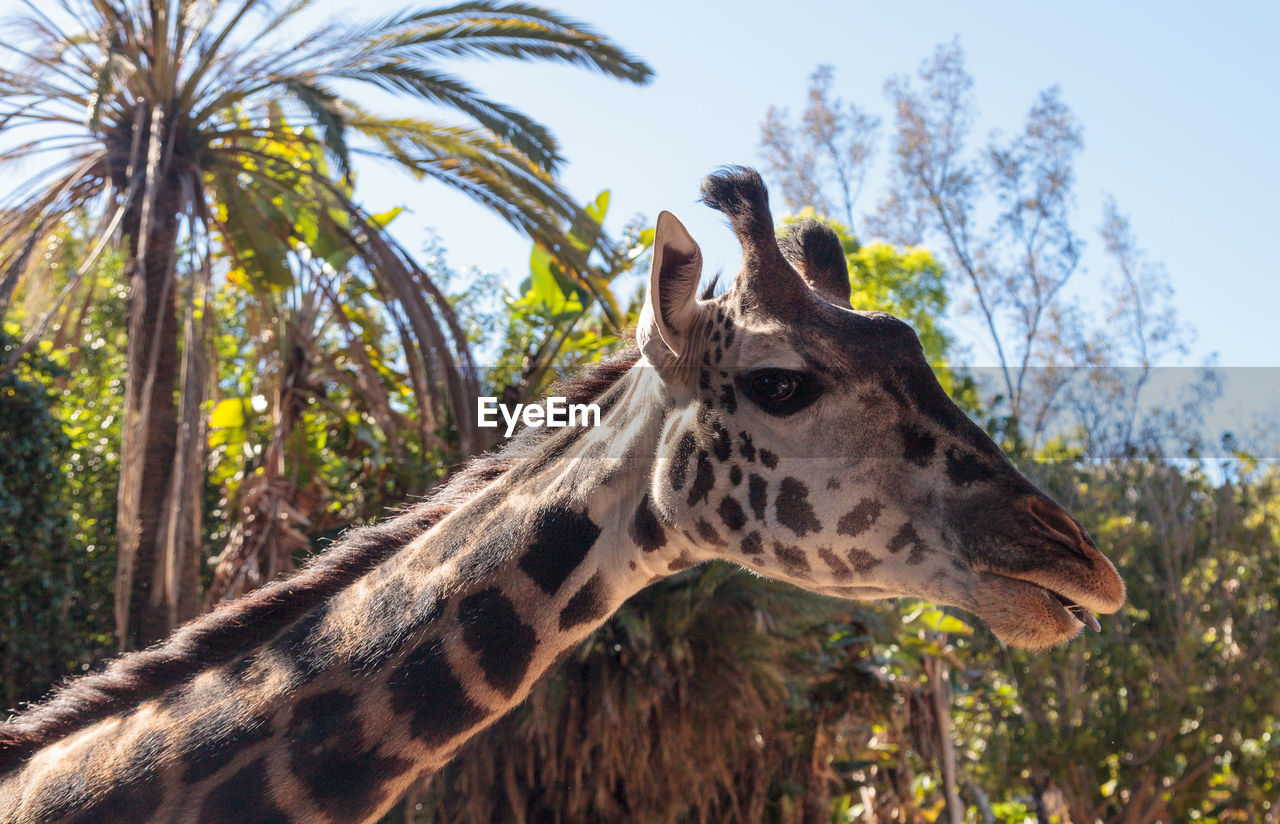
(774,385)
(779,391)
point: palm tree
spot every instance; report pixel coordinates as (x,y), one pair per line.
(208,140)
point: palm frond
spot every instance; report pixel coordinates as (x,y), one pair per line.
(517,22)
(512,38)
(212,51)
(211,125)
(320,104)
(523,133)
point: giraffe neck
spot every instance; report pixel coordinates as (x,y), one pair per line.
(380,684)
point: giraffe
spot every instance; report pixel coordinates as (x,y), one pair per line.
(771,425)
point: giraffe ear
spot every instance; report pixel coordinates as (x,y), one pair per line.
(815,250)
(671,307)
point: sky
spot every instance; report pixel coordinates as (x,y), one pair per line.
(1177,103)
(1178,106)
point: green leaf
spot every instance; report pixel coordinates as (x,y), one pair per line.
(228,414)
(331,244)
(381,219)
(643,244)
(939,621)
(545,285)
(599,207)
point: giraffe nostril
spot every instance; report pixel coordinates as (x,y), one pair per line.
(1063,527)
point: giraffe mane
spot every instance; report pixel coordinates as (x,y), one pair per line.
(236,627)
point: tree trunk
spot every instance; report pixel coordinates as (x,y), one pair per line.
(143,612)
(939,691)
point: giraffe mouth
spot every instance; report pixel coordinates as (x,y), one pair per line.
(1033,615)
(1079,613)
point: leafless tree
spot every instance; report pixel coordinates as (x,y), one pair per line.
(821,161)
(1000,216)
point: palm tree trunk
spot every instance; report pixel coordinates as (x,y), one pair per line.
(150,425)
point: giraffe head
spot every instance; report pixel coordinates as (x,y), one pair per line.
(811,442)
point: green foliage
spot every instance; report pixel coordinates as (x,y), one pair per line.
(563,318)
(183,154)
(54,607)
(908,282)
(1164,716)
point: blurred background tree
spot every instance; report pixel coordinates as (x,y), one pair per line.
(208,144)
(1141,723)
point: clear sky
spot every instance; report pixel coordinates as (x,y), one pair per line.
(1178,103)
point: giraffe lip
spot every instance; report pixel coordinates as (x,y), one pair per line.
(1071,608)
(1098,590)
(1026,614)
(1076,611)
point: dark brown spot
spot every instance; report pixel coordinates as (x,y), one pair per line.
(703,481)
(243,797)
(492,629)
(679,469)
(731,513)
(906,536)
(646,530)
(344,778)
(862,561)
(746,447)
(793,508)
(561,539)
(735,475)
(752,545)
(681,561)
(964,468)
(757,495)
(587,604)
(859,519)
(708,533)
(838,567)
(768,459)
(918,444)
(721,444)
(792,557)
(425,686)
(728,399)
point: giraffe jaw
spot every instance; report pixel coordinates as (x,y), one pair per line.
(1027,614)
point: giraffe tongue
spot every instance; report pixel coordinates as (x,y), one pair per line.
(1081,614)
